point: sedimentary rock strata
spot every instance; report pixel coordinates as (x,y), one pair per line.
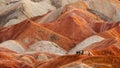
(59,34)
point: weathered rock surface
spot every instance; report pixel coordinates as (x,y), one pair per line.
(46,46)
(108,47)
(27,9)
(85,43)
(31,32)
(59,34)
(13,45)
(19,10)
(112,33)
(78,28)
(100,27)
(112,13)
(83,61)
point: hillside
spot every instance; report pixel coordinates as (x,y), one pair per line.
(59,33)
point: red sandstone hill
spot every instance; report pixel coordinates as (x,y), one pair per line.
(84,34)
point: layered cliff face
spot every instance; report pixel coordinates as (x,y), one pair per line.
(59,34)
